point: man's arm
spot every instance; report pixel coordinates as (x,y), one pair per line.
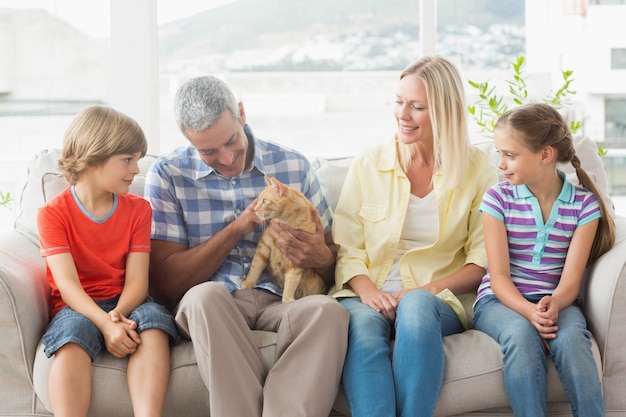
(175,268)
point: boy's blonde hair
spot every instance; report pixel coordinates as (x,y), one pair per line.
(96,134)
(446,106)
(540,125)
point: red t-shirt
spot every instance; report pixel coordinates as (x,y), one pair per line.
(99,247)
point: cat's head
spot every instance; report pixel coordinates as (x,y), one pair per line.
(273,200)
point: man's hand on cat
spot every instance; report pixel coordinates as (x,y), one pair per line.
(247,221)
(305,250)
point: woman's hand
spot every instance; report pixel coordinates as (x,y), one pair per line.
(386,304)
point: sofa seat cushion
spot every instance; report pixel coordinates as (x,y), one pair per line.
(186,394)
(474,378)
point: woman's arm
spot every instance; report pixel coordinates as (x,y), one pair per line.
(370,295)
(348,230)
(463,281)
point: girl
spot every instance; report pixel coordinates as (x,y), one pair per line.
(96,241)
(540,233)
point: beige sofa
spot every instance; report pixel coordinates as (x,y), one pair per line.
(473,381)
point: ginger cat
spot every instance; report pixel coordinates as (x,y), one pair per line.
(286,205)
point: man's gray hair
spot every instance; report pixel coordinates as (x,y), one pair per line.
(199,103)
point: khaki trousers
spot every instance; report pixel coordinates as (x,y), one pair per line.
(311,347)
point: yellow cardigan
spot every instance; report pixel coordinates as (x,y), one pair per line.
(370,214)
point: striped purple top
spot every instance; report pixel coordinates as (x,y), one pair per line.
(537,251)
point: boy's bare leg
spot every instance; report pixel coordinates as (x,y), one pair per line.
(70,381)
(148,373)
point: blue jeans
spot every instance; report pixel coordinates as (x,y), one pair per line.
(375,385)
(525,360)
(70,326)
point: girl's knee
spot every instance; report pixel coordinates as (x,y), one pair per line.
(572,339)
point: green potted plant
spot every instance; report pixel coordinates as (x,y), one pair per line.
(5,199)
(489,106)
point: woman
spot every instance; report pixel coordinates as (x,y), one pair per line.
(411,246)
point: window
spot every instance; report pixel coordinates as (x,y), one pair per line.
(317,76)
(615,109)
(607,2)
(52,65)
(321,76)
(618,58)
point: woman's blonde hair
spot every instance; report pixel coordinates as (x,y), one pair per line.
(96,134)
(540,125)
(445,98)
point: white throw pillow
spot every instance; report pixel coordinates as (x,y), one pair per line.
(332,173)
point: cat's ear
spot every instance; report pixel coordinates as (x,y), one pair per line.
(280,188)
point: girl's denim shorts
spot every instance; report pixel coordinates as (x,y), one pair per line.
(69,326)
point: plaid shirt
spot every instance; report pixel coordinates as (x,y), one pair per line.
(191,202)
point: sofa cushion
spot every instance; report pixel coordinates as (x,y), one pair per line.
(32,196)
(474,377)
(331,173)
(186,395)
(52,184)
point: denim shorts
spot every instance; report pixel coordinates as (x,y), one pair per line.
(69,326)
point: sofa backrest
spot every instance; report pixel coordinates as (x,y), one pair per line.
(332,172)
(44,181)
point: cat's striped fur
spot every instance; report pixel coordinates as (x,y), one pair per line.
(281,203)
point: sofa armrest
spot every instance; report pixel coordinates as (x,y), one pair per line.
(604,305)
(23,318)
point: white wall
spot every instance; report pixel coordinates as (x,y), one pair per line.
(582,42)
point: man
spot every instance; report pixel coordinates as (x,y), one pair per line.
(204,237)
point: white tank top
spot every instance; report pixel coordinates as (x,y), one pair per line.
(420,229)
